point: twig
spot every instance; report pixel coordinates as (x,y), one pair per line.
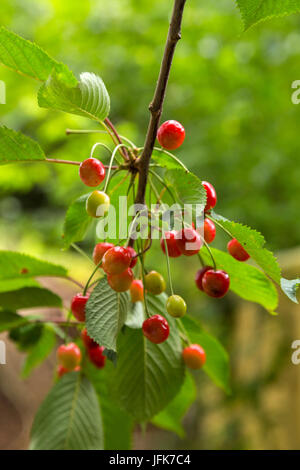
(156,105)
(118,137)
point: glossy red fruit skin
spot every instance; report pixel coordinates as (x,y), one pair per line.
(173,250)
(87,340)
(189,241)
(211,196)
(116,260)
(199,276)
(237,250)
(132,253)
(194,356)
(69,356)
(97,357)
(171,135)
(78,306)
(120,282)
(91,172)
(99,251)
(215,283)
(209,231)
(137,291)
(156,329)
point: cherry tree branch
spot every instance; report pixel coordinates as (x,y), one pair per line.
(156,104)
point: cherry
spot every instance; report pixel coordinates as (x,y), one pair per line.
(97,204)
(155,283)
(91,172)
(87,340)
(62,370)
(97,357)
(194,356)
(78,306)
(209,231)
(176,306)
(199,276)
(171,135)
(116,260)
(99,251)
(156,329)
(211,196)
(215,283)
(189,241)
(133,254)
(137,291)
(120,282)
(237,250)
(69,356)
(173,250)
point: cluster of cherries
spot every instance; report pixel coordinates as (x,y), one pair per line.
(118,261)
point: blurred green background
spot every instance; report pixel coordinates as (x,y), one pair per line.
(232,92)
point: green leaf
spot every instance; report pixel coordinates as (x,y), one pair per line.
(10,320)
(40,351)
(253,242)
(69,418)
(148,375)
(88,97)
(26,57)
(217,361)
(117,424)
(18,265)
(136,315)
(167,160)
(171,417)
(254,11)
(28,297)
(26,336)
(77,221)
(290,287)
(7,285)
(17,147)
(106,312)
(246,281)
(187,188)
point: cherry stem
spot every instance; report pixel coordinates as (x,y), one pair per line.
(74,281)
(81,252)
(110,164)
(97,131)
(69,162)
(201,260)
(163,183)
(141,258)
(220,225)
(210,252)
(91,277)
(118,137)
(168,264)
(159,149)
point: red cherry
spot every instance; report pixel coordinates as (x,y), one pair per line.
(194,356)
(133,254)
(237,251)
(199,276)
(120,282)
(92,172)
(78,306)
(87,340)
(215,283)
(137,291)
(171,135)
(99,251)
(62,370)
(209,231)
(189,242)
(116,260)
(173,250)
(211,196)
(156,329)
(69,356)
(97,357)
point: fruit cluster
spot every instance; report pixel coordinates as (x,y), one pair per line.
(118,262)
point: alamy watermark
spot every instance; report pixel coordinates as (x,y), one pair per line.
(2,92)
(2,352)
(296,354)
